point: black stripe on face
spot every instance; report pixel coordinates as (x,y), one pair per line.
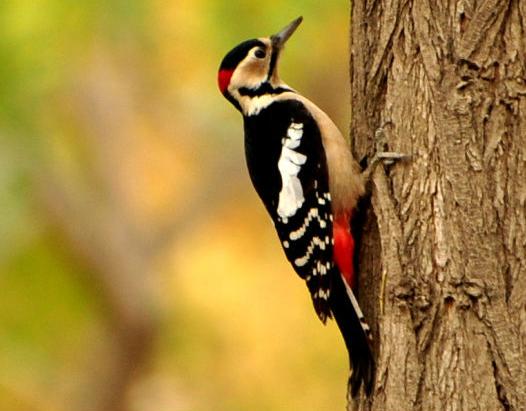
(238,53)
(264,88)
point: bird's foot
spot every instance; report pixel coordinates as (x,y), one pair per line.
(382,155)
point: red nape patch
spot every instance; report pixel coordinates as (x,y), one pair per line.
(223,79)
(344,249)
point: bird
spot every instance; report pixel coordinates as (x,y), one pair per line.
(310,184)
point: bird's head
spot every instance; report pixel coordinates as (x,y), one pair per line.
(250,69)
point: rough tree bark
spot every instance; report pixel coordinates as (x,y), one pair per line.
(443,276)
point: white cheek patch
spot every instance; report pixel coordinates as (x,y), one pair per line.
(289,165)
(253,105)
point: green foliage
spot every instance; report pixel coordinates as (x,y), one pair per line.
(110,122)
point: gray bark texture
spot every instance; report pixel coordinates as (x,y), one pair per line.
(443,260)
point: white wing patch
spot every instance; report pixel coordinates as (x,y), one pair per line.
(289,165)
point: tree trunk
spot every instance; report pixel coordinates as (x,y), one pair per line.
(443,261)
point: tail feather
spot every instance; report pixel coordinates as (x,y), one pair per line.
(356,334)
(353,327)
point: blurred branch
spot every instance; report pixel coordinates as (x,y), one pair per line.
(94,222)
(120,270)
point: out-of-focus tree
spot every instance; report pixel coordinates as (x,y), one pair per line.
(137,267)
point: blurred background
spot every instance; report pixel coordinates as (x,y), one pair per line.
(138,269)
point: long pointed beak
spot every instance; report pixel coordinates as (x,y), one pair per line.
(280,38)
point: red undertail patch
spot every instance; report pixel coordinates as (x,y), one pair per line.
(344,249)
(223,79)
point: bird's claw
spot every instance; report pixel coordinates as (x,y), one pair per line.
(391,157)
(381,155)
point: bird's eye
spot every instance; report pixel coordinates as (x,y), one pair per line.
(260,54)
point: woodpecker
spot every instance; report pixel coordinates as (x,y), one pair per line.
(310,184)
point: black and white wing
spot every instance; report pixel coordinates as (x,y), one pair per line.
(287,165)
